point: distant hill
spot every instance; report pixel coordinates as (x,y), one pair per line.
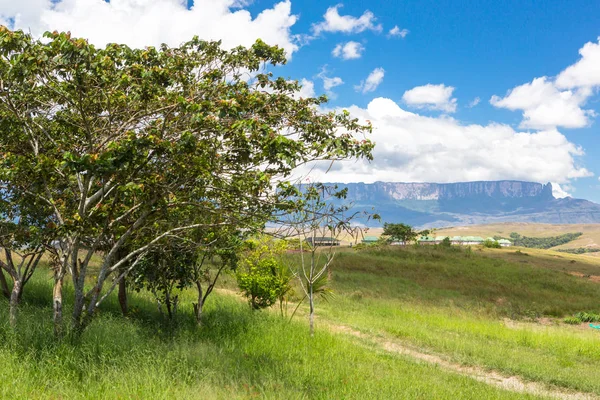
(468,203)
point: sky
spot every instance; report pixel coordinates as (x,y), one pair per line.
(455,90)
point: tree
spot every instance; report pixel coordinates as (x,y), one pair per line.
(400,232)
(322,214)
(114,140)
(22,254)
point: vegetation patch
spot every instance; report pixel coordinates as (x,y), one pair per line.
(580,250)
(541,242)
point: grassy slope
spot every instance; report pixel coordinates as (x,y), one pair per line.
(237,354)
(449,302)
(453,303)
(590,237)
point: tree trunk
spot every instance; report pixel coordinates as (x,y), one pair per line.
(198,307)
(123,296)
(77,305)
(311,317)
(14,301)
(57,305)
(4,285)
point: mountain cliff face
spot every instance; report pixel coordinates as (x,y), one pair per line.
(447,204)
(448,191)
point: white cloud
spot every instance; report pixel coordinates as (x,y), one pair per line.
(397,32)
(348,51)
(585,72)
(474,102)
(142,23)
(307,90)
(329,83)
(545,106)
(372,82)
(416,148)
(559,192)
(433,97)
(334,22)
(548,102)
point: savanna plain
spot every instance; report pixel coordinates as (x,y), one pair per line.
(415,322)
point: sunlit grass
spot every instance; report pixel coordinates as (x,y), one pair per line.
(238,353)
(460,305)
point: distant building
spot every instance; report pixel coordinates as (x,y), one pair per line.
(323,241)
(505,243)
(370,239)
(427,240)
(461,240)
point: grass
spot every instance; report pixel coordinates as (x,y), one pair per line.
(501,284)
(590,237)
(456,304)
(236,354)
(479,308)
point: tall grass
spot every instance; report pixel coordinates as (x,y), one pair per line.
(236,354)
(459,304)
(455,276)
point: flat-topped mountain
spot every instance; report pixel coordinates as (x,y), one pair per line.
(465,203)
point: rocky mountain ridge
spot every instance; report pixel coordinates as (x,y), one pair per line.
(465,203)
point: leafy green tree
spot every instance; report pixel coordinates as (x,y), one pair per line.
(111,141)
(400,233)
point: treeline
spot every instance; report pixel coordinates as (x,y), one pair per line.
(541,242)
(580,250)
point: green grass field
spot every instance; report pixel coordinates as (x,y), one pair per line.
(481,309)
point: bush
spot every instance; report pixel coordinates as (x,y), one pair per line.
(263,282)
(446,242)
(581,317)
(588,317)
(491,244)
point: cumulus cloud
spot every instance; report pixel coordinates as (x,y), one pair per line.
(397,32)
(334,22)
(348,51)
(545,106)
(307,90)
(553,102)
(432,97)
(142,23)
(585,72)
(416,148)
(559,192)
(372,82)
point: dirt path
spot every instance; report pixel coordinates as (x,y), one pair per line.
(512,383)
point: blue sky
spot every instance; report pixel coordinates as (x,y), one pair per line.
(425,79)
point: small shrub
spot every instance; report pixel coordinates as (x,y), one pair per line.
(446,243)
(581,317)
(491,244)
(520,253)
(588,317)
